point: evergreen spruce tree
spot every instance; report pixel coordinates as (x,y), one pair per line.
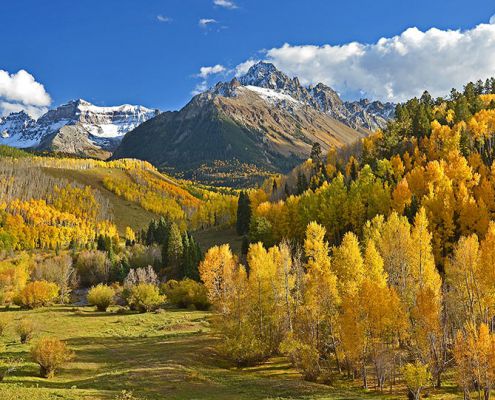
(174,250)
(243,213)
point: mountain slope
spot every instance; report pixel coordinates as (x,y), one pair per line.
(77,127)
(239,131)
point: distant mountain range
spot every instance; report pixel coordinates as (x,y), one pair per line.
(259,123)
(263,121)
(77,127)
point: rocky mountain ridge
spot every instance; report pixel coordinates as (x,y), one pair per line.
(76,127)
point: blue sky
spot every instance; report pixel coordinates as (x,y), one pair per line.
(150,51)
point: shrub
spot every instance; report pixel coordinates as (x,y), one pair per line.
(93,267)
(144,297)
(50,354)
(37,294)
(25,329)
(4,322)
(101,296)
(56,269)
(186,294)
(303,356)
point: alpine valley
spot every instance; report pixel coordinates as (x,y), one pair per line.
(236,133)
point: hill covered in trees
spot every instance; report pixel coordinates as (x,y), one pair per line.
(376,260)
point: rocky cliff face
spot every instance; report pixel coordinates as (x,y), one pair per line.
(356,114)
(77,127)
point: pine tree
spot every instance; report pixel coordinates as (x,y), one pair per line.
(243,213)
(174,250)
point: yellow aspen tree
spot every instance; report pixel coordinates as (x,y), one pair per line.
(424,272)
(264,292)
(395,244)
(217,272)
(463,274)
(347,264)
(474,353)
(429,338)
(487,274)
(288,276)
(401,196)
(315,336)
(373,265)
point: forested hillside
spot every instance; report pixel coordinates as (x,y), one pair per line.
(376,261)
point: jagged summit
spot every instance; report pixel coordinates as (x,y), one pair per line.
(280,89)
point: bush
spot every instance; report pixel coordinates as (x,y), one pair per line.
(37,294)
(144,297)
(101,296)
(303,356)
(50,354)
(25,329)
(4,322)
(93,267)
(186,294)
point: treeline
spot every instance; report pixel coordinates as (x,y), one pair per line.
(160,253)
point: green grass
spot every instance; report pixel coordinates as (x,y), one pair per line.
(213,237)
(168,355)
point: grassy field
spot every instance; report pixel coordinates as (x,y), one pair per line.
(167,355)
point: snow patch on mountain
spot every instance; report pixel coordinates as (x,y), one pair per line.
(107,123)
(272,96)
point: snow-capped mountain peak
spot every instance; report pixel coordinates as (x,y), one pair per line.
(277,86)
(103,127)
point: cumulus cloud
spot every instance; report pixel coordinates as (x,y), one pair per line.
(492,19)
(204,72)
(163,18)
(225,3)
(243,68)
(395,68)
(20,91)
(200,88)
(204,22)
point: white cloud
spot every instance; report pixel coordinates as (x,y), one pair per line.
(200,88)
(395,68)
(20,91)
(492,19)
(243,68)
(163,18)
(204,22)
(225,3)
(204,72)
(34,111)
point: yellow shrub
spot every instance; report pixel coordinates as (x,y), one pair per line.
(25,329)
(50,354)
(144,297)
(101,296)
(37,294)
